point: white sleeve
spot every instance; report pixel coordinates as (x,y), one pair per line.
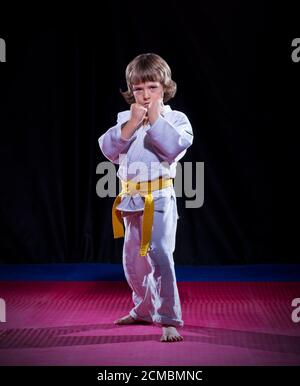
(111,142)
(170,139)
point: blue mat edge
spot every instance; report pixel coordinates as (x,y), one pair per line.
(114,272)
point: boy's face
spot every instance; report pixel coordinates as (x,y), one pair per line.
(145,93)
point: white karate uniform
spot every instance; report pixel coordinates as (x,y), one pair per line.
(152,152)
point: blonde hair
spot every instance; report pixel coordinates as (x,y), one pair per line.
(149,68)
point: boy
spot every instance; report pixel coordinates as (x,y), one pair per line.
(147,142)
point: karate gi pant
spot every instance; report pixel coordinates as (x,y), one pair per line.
(152,277)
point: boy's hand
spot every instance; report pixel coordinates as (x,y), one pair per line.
(154,110)
(138,113)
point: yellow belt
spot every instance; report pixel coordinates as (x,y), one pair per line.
(145,189)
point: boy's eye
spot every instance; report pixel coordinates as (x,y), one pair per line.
(138,89)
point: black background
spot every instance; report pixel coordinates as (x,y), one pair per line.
(60,91)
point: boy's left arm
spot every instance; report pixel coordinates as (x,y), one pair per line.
(171,138)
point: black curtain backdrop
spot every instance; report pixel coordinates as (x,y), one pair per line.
(60,92)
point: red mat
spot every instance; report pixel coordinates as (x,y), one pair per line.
(70,323)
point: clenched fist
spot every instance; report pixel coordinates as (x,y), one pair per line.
(138,116)
(154,110)
(138,113)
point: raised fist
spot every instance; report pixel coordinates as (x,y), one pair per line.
(138,113)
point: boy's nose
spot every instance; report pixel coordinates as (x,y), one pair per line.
(146,94)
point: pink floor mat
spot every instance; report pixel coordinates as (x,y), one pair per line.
(70,323)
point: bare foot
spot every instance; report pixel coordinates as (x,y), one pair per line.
(170,334)
(128,320)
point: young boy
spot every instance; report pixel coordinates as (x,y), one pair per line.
(147,142)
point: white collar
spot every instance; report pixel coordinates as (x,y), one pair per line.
(166,109)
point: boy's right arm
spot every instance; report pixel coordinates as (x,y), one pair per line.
(118,139)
